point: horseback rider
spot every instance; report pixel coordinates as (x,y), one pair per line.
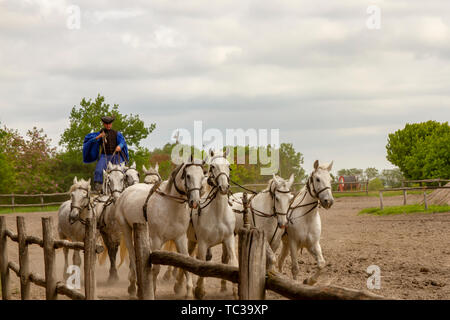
(107,145)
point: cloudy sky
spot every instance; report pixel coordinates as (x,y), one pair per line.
(314,70)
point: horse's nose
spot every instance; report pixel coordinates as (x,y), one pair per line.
(224,189)
(193,204)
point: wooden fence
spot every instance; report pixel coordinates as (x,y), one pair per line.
(49,244)
(251,275)
(421,188)
(41,196)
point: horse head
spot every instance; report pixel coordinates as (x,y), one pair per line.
(131,175)
(79,198)
(114,179)
(320,184)
(192,175)
(280,189)
(151,175)
(219,171)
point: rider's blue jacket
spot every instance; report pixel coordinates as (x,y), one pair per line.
(91,147)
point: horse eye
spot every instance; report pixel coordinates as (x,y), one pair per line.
(317,179)
(188,176)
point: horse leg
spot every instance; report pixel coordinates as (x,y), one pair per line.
(170,270)
(76,258)
(316,251)
(156,244)
(283,255)
(127,234)
(271,260)
(201,255)
(181,244)
(229,246)
(293,247)
(112,253)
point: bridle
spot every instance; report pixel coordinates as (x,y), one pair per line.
(126,178)
(183,176)
(88,205)
(109,185)
(311,190)
(153,174)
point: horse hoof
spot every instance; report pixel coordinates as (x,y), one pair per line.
(199,293)
(132,290)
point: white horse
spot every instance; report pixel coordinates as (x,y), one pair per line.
(131,175)
(151,176)
(115,181)
(167,212)
(267,211)
(71,216)
(214,222)
(304,227)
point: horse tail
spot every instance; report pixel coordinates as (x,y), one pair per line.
(102,257)
(123,250)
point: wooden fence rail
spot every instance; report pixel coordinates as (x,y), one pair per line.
(251,275)
(49,244)
(405,195)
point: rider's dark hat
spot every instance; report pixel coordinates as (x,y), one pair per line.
(108,119)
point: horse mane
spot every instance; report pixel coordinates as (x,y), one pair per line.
(173,175)
(281,184)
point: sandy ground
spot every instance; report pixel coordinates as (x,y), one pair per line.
(412,251)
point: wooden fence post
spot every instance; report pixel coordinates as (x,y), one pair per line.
(381,200)
(4,270)
(24,270)
(367,188)
(404,197)
(425,200)
(42,202)
(12,201)
(143,266)
(90,259)
(252,264)
(245,213)
(49,259)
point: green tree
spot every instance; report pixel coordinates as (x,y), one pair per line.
(376,184)
(351,172)
(86,119)
(392,177)
(291,162)
(371,173)
(421,150)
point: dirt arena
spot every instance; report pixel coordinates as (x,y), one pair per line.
(412,252)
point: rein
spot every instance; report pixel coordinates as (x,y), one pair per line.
(88,206)
(314,204)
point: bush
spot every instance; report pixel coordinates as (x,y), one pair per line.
(375,184)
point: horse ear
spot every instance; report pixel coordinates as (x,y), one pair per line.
(133,166)
(191,158)
(226,152)
(144,169)
(291,180)
(330,166)
(104,174)
(109,167)
(75,180)
(89,181)
(157,167)
(316,164)
(206,160)
(275,178)
(211,152)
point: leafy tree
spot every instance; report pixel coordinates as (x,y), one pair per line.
(351,172)
(31,160)
(371,173)
(86,119)
(291,162)
(421,150)
(392,178)
(375,184)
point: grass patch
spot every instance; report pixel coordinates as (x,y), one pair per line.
(377,194)
(413,208)
(29,209)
